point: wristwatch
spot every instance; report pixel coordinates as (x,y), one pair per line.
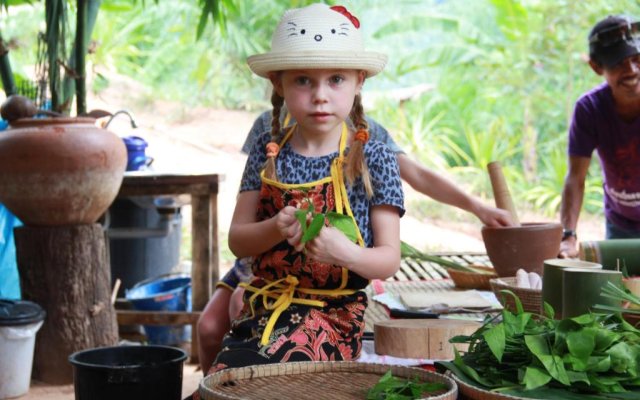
(567,233)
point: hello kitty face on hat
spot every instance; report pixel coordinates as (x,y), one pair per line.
(317,37)
(318,28)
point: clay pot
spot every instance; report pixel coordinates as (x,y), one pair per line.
(59,171)
(525,246)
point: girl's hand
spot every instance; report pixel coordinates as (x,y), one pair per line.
(331,246)
(494,217)
(289,227)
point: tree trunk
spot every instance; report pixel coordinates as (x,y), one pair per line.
(65,270)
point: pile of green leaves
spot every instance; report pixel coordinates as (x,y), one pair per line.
(390,387)
(312,222)
(589,356)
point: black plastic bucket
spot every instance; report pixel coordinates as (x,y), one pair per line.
(128,372)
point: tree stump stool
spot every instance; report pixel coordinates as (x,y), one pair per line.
(65,270)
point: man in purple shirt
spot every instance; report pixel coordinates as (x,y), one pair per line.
(605,119)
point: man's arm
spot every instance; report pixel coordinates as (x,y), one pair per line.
(572,197)
(440,189)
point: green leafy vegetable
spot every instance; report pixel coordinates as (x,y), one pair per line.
(390,387)
(534,356)
(344,223)
(313,230)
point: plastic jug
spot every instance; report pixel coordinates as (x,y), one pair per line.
(136,157)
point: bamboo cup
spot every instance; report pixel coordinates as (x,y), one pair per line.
(501,193)
(613,253)
(552,280)
(581,289)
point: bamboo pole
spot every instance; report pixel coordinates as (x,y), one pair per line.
(80,52)
(69,80)
(8,83)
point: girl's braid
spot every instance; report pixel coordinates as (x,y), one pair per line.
(355,164)
(270,167)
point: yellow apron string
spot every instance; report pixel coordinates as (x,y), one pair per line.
(283,292)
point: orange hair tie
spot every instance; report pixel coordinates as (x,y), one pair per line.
(272,149)
(362,135)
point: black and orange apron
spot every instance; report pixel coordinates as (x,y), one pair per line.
(298,309)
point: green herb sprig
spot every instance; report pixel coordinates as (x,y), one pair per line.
(613,291)
(390,387)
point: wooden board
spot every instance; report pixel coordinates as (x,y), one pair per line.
(420,338)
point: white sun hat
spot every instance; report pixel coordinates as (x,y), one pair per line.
(317,37)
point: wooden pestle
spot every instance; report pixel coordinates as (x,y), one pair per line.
(501,193)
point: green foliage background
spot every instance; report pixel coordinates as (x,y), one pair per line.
(503,75)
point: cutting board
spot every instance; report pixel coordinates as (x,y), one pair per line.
(421,338)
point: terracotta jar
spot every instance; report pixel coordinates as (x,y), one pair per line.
(59,171)
(526,246)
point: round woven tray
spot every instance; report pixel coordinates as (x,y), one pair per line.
(470,280)
(531,298)
(475,393)
(336,380)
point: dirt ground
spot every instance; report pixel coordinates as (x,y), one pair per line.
(197,140)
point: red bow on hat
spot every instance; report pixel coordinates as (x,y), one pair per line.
(342,10)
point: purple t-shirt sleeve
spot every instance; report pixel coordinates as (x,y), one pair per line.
(582,135)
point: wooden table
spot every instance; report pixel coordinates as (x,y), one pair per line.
(203,192)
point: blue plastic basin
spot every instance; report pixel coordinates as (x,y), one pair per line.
(171,293)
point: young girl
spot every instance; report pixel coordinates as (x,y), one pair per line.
(306,301)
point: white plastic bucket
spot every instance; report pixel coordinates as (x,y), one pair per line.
(19,323)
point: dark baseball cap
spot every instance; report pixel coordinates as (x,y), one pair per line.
(613,39)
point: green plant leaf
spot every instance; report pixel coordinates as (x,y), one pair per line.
(408,251)
(582,343)
(301,216)
(344,223)
(623,358)
(555,367)
(535,377)
(496,340)
(314,228)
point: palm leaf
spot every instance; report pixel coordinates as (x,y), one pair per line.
(408,251)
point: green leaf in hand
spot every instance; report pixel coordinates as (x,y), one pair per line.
(314,228)
(344,223)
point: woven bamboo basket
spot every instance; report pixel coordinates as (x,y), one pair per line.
(475,393)
(470,280)
(335,380)
(531,298)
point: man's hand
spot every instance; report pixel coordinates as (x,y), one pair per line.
(568,248)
